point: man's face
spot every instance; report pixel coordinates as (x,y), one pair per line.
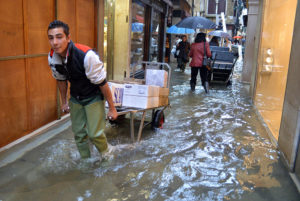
(183,39)
(58,40)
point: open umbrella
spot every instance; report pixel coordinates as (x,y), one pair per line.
(177,30)
(219,33)
(196,22)
(137,27)
(237,37)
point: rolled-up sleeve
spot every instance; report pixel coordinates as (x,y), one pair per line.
(94,68)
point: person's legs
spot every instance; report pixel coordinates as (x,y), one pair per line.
(194,73)
(179,60)
(203,75)
(183,66)
(95,113)
(78,119)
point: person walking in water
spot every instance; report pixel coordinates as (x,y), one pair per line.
(182,57)
(81,67)
(197,52)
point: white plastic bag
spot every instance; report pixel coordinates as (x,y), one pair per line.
(173,51)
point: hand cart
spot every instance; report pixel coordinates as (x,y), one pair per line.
(222,67)
(157,119)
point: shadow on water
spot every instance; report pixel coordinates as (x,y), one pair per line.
(212,147)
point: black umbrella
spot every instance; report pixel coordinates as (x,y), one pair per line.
(219,34)
(196,22)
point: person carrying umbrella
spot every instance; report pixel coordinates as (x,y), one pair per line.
(197,53)
(182,57)
(214,41)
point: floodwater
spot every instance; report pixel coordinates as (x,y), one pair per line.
(212,147)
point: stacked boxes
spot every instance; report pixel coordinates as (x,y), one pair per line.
(154,94)
(140,96)
(159,78)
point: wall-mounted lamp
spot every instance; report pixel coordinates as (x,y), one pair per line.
(269,51)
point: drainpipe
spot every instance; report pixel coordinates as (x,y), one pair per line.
(217,17)
(193,5)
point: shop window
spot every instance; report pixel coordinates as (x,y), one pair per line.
(177,13)
(137,33)
(211,7)
(155,39)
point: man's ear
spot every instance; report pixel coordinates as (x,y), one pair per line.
(69,37)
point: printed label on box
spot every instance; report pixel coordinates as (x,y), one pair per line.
(141,90)
(117,91)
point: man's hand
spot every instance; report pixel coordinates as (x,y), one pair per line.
(65,108)
(112,114)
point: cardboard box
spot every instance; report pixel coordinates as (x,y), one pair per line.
(163,91)
(144,96)
(143,102)
(140,90)
(163,101)
(156,77)
(117,91)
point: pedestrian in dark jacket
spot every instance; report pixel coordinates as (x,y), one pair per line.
(197,55)
(182,57)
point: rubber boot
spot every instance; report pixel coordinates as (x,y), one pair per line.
(193,85)
(206,87)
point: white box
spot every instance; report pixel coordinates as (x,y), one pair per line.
(117,91)
(140,90)
(156,77)
(143,102)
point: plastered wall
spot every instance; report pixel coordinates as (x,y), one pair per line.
(121,39)
(276,35)
(288,130)
(28,92)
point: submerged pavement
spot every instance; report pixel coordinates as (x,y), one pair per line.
(212,147)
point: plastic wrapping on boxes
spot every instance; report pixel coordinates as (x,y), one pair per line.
(156,77)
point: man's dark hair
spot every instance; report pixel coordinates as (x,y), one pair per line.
(200,38)
(58,24)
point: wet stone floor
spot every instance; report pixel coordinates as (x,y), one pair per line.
(212,147)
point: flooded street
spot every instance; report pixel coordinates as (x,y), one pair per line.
(212,147)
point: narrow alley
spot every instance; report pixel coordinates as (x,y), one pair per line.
(212,147)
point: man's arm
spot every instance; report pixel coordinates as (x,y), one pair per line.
(96,73)
(63,89)
(112,112)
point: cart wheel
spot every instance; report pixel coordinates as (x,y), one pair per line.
(158,119)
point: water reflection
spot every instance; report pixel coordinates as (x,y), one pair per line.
(212,147)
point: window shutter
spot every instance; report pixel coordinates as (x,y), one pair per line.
(211,7)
